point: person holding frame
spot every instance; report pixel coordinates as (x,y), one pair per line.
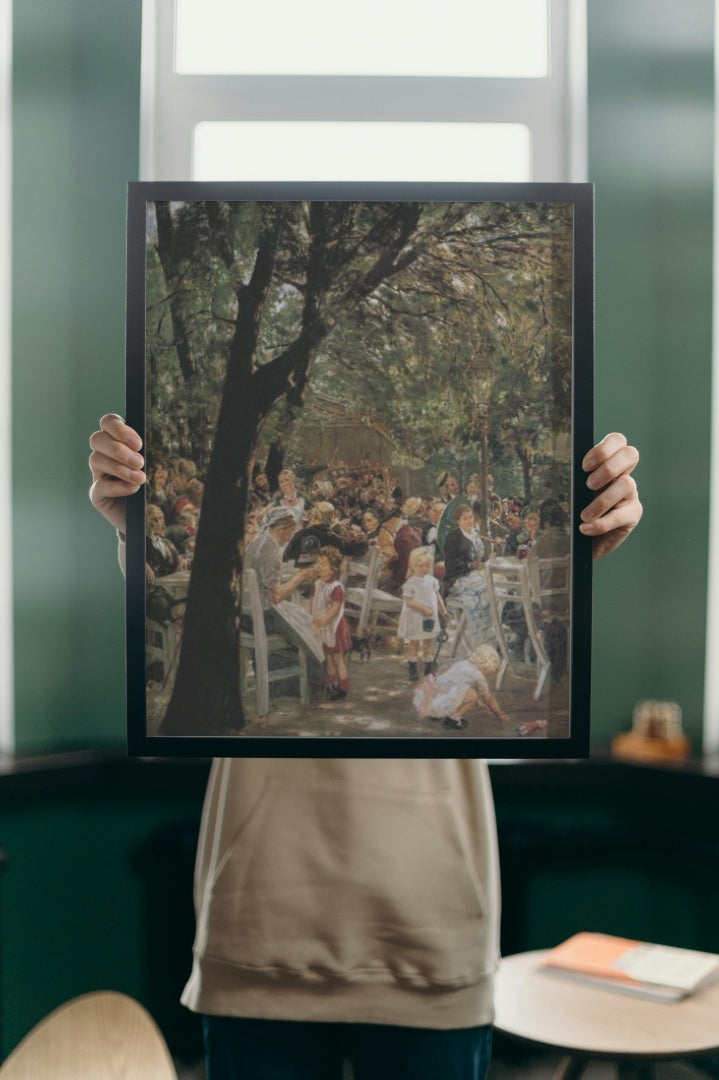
(349,908)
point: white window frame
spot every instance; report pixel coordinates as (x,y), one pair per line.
(553,108)
(7,718)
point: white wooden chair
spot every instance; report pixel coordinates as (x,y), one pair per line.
(458,630)
(549,582)
(263,646)
(99,1036)
(162,646)
(354,576)
(162,642)
(373,608)
(508,582)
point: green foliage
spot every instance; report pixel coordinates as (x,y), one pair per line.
(461,330)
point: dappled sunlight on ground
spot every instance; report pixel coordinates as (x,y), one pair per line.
(379,704)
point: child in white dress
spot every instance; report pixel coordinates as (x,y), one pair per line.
(327,608)
(459,689)
(422,605)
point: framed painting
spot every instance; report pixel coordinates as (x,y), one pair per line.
(364,408)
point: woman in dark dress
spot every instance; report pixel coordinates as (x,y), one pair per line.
(465,586)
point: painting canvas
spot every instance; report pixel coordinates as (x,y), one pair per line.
(363,410)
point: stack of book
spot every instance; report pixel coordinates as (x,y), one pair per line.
(661,972)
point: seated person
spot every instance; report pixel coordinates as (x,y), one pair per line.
(157,481)
(530,528)
(191,497)
(184,531)
(553,536)
(464,581)
(305,544)
(161,554)
(182,472)
(264,556)
(290,498)
(260,491)
(513,523)
(407,537)
(552,543)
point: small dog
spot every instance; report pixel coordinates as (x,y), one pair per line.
(362,647)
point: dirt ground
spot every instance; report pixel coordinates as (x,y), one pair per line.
(379,705)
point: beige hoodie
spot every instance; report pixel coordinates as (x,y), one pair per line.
(347,890)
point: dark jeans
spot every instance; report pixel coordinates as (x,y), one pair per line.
(289,1050)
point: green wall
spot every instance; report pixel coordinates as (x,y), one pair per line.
(75,146)
(86,871)
(76,89)
(95,937)
(650,156)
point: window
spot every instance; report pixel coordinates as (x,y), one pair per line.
(304,150)
(404,38)
(489,91)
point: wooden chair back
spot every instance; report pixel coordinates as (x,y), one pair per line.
(508,582)
(99,1036)
(262,646)
(550,583)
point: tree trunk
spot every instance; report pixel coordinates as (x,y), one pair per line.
(206,697)
(165,251)
(525,459)
(275,462)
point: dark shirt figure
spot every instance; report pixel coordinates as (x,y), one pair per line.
(321,532)
(160,553)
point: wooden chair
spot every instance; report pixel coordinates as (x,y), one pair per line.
(508,582)
(99,1036)
(263,646)
(354,577)
(549,581)
(374,608)
(162,641)
(162,647)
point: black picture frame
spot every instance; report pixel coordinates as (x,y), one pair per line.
(471,248)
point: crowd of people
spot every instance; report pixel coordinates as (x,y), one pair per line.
(299,529)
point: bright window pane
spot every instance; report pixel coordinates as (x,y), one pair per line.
(278,150)
(491,38)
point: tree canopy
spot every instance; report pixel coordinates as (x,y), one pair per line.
(475,307)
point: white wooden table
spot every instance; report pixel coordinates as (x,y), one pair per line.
(586,1022)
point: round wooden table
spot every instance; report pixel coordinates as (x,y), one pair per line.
(586,1022)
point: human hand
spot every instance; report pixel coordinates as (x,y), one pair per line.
(616,510)
(116,467)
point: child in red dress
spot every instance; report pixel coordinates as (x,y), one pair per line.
(327,607)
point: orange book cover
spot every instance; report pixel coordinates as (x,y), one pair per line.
(592,954)
(661,971)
